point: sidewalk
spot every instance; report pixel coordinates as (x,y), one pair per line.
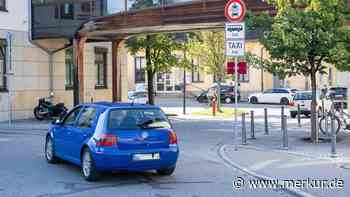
(27,124)
(264,157)
(281,165)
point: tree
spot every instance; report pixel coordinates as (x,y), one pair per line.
(158,53)
(209,47)
(158,48)
(141,4)
(303,36)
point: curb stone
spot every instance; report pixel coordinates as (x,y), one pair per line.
(223,155)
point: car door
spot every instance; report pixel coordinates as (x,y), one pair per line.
(63,134)
(83,130)
(266,96)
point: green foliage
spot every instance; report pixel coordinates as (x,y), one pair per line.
(209,47)
(300,41)
(161,46)
(142,4)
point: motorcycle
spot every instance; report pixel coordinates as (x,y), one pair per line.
(47,110)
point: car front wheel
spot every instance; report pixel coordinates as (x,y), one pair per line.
(50,151)
(166,171)
(88,166)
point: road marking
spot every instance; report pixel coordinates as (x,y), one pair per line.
(263,164)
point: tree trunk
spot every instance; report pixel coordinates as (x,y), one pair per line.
(219,96)
(150,77)
(314,130)
(150,74)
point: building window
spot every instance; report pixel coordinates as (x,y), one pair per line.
(69,69)
(3,5)
(140,69)
(101,67)
(243,77)
(67,11)
(196,77)
(3,86)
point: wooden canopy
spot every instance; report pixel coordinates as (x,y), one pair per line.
(191,16)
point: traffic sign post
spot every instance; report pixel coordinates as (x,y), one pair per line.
(235,11)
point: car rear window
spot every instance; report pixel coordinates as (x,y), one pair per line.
(131,119)
(303,96)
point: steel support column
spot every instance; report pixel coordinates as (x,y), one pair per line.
(116,72)
(78,56)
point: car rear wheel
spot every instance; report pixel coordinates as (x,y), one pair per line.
(253,100)
(228,100)
(293,114)
(88,166)
(50,151)
(284,101)
(166,171)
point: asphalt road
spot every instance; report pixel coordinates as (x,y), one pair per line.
(191,102)
(200,171)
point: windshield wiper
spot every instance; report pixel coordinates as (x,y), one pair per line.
(144,124)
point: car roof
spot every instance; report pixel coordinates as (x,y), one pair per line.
(124,105)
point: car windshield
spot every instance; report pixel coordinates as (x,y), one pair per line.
(338,90)
(130,119)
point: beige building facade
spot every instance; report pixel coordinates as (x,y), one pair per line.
(198,80)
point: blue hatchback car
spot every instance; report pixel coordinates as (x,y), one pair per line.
(105,137)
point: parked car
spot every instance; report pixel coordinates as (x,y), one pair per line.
(303,99)
(227,94)
(338,95)
(137,97)
(104,137)
(282,96)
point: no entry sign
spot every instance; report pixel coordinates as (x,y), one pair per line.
(235,10)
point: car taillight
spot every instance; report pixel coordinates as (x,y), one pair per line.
(172,137)
(106,140)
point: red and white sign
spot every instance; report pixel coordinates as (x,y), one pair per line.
(235,10)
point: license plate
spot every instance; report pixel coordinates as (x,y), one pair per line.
(144,157)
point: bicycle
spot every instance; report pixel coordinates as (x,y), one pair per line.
(337,114)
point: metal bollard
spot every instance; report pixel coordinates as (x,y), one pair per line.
(299,119)
(317,129)
(282,114)
(334,138)
(244,130)
(252,129)
(285,133)
(266,122)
